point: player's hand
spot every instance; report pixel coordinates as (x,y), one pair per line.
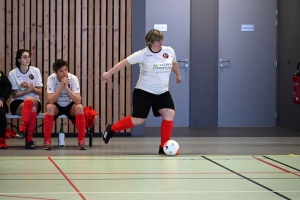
(31,87)
(1,103)
(106,76)
(66,81)
(178,79)
(24,85)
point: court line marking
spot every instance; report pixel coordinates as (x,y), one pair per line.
(269,189)
(138,173)
(149,192)
(64,175)
(22,197)
(280,168)
(282,163)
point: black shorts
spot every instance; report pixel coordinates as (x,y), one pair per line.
(64,111)
(14,105)
(143,101)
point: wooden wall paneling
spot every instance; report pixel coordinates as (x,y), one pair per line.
(15,31)
(33,22)
(84,57)
(122,49)
(27,18)
(65,50)
(97,80)
(71,45)
(128,52)
(2,37)
(8,39)
(103,90)
(52,39)
(46,52)
(109,52)
(90,64)
(15,42)
(78,39)
(116,88)
(39,43)
(92,35)
(59,45)
(78,63)
(21,24)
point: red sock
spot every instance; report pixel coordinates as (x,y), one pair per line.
(26,112)
(30,127)
(123,124)
(165,131)
(80,125)
(48,124)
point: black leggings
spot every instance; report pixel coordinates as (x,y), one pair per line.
(2,122)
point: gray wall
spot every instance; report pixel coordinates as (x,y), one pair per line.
(288,50)
(204,46)
(138,42)
(203,58)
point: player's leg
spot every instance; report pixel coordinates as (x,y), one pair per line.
(2,128)
(77,112)
(51,111)
(139,115)
(30,144)
(164,107)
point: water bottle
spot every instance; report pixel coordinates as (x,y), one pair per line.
(61,136)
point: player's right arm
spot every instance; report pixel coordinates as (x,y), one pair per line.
(120,65)
(52,97)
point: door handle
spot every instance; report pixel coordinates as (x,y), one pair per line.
(224,60)
(186,62)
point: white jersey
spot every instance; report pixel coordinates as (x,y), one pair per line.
(155,68)
(64,98)
(32,75)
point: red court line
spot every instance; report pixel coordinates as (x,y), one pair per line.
(64,175)
(282,169)
(2,195)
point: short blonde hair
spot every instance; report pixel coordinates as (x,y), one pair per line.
(152,36)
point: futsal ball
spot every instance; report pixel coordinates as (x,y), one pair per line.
(171,148)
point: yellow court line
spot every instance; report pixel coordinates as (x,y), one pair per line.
(293,155)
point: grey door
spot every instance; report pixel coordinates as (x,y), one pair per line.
(247,83)
(176,15)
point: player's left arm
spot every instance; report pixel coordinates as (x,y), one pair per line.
(76,97)
(73,90)
(176,70)
(36,86)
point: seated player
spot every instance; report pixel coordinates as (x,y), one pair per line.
(27,86)
(5,91)
(63,98)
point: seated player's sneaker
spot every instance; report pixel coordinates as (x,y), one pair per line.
(81,145)
(47,145)
(2,144)
(161,150)
(20,135)
(30,145)
(107,134)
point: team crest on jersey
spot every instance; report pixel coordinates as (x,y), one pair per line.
(31,76)
(165,55)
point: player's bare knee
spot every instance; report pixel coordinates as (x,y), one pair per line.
(137,121)
(78,108)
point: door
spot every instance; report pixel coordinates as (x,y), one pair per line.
(247,75)
(176,15)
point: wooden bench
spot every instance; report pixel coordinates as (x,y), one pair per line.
(42,116)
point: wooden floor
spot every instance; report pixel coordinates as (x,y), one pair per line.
(129,168)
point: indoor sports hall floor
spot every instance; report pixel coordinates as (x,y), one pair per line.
(212,168)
